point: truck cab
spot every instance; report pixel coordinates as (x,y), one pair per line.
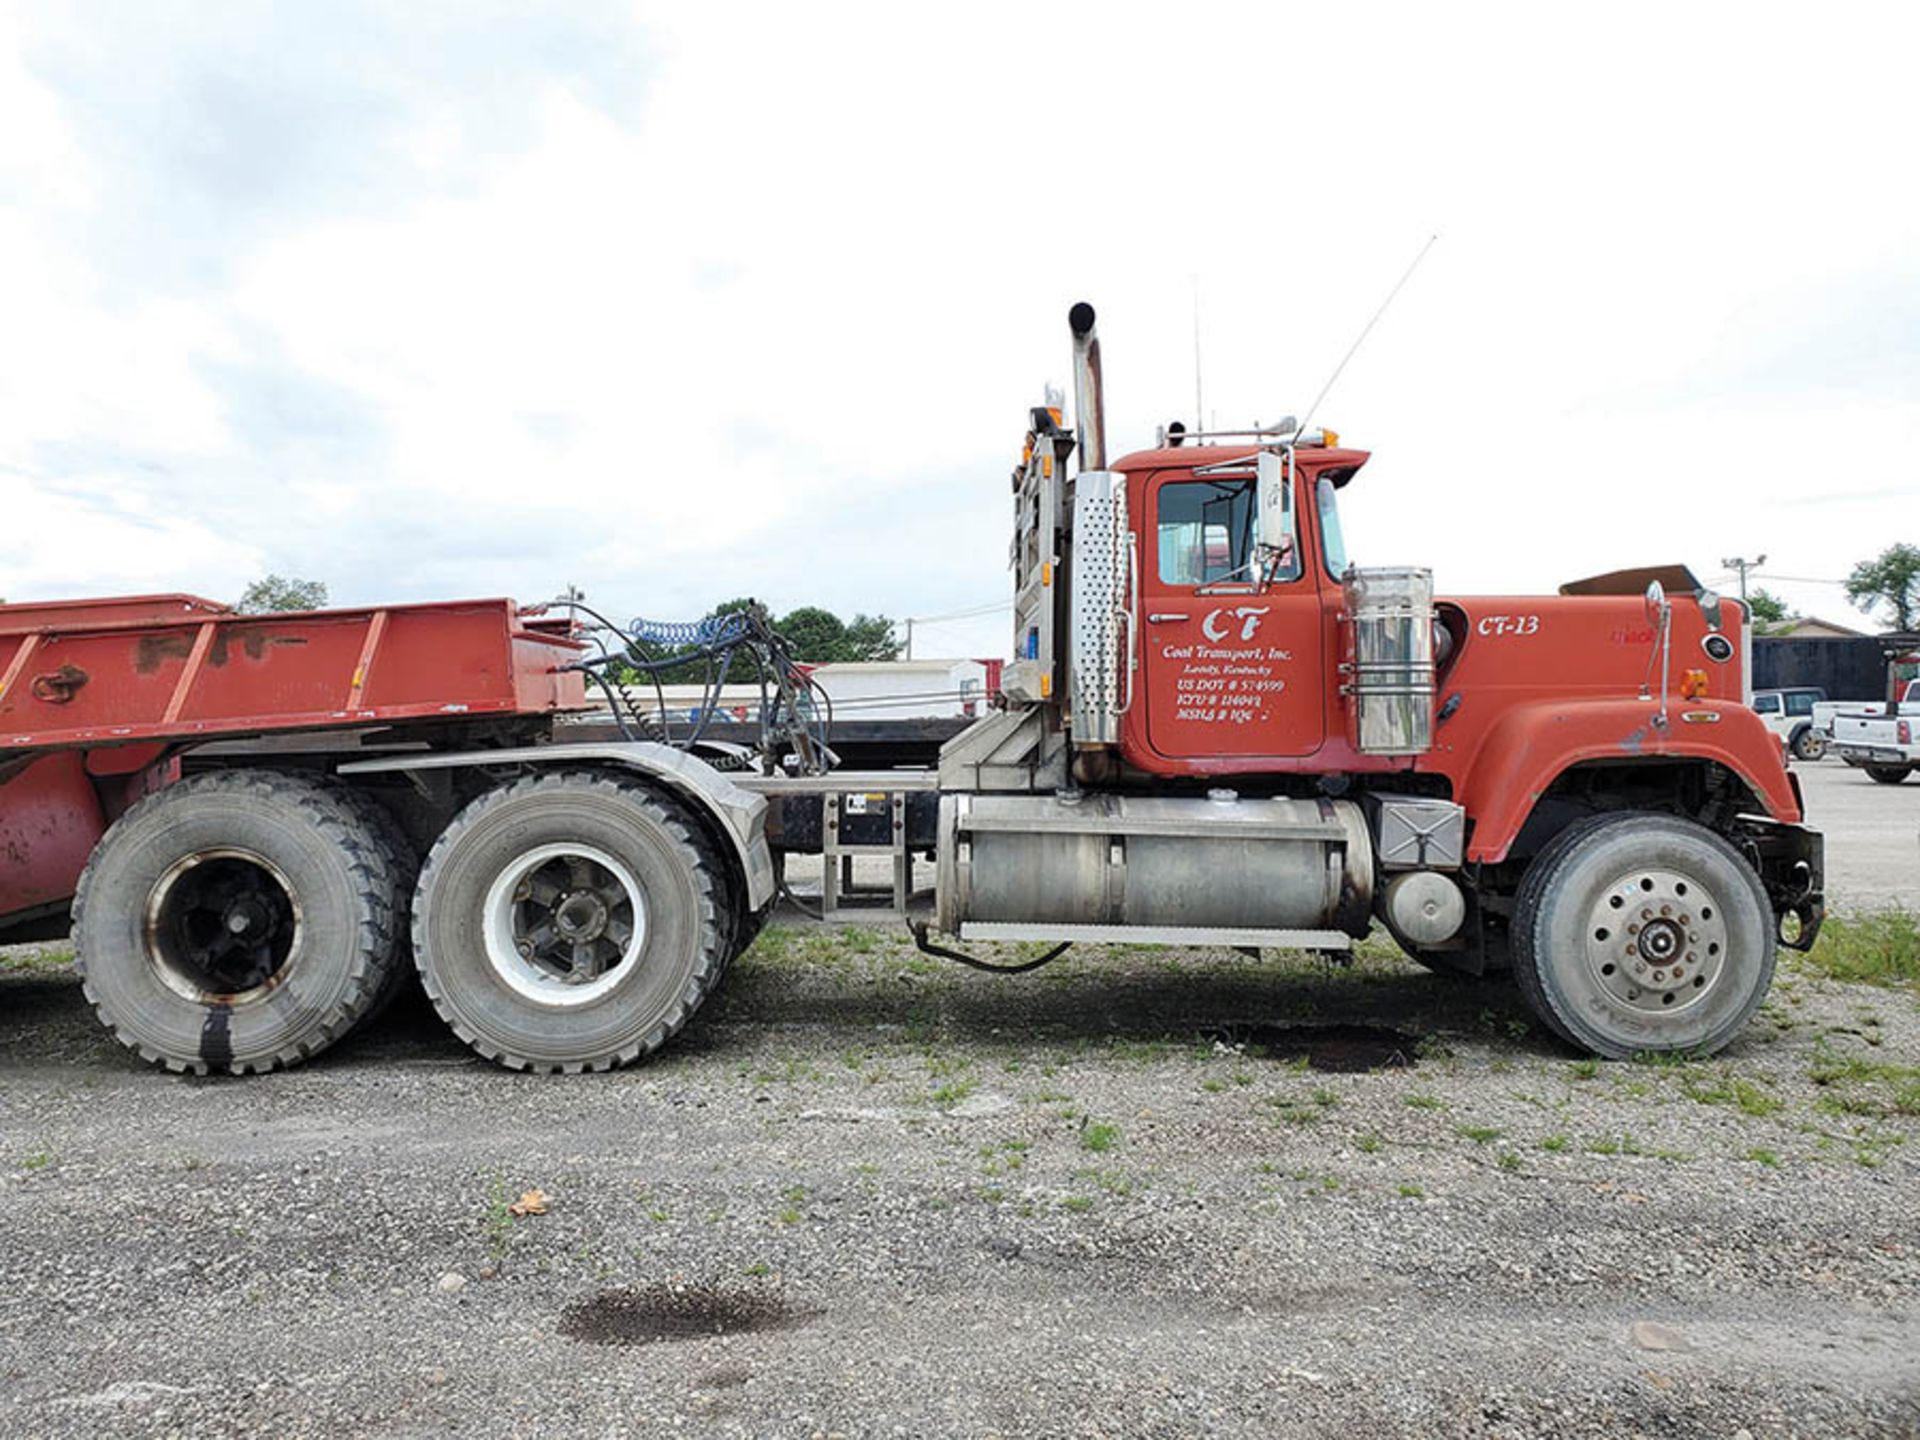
(1547,783)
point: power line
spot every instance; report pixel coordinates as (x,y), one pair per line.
(967,614)
(1742,565)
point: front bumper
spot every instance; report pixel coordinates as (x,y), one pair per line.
(1791,860)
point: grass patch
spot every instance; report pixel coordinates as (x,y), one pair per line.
(1423,1102)
(1558,1144)
(1111,1181)
(1762,1156)
(1480,1134)
(1409,1190)
(1099,1138)
(1880,947)
(496,1223)
(1855,1086)
(36,962)
(1625,1144)
(1729,1090)
(952,1093)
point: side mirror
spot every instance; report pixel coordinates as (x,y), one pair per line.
(1710,608)
(1656,601)
(1272,514)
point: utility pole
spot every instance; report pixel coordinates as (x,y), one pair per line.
(909,637)
(1743,566)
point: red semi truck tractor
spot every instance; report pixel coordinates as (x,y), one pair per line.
(1216,730)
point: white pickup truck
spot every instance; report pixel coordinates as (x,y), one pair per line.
(1793,715)
(1825,711)
(1882,741)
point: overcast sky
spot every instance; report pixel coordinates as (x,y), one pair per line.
(681,303)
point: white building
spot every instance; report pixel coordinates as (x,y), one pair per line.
(858,690)
(904,689)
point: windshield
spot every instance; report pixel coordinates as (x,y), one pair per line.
(1334,543)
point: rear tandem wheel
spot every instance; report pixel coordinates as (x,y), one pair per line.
(240,921)
(572,920)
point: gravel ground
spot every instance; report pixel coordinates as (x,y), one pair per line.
(866,1193)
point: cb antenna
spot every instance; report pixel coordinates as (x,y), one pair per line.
(1361,339)
(1199,414)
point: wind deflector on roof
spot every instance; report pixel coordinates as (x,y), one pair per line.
(1674,579)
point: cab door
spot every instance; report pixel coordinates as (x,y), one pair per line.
(1232,666)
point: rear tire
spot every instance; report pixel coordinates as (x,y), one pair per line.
(571,921)
(1888,774)
(383,829)
(1643,933)
(238,921)
(1809,744)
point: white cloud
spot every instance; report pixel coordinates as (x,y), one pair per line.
(761,308)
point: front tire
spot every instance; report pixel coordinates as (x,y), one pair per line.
(571,921)
(238,921)
(1643,933)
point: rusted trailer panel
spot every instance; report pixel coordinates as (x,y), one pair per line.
(178,667)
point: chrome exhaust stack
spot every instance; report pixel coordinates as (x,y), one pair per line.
(1089,407)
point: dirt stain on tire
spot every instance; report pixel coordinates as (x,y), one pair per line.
(1335,1049)
(667,1313)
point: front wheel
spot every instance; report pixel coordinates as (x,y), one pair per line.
(571,921)
(1888,774)
(1643,933)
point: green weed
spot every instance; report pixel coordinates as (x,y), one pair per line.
(1099,1138)
(1880,947)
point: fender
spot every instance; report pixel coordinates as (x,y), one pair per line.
(738,814)
(1532,745)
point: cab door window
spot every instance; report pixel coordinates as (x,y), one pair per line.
(1206,533)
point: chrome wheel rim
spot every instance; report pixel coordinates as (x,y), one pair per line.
(1656,941)
(564,924)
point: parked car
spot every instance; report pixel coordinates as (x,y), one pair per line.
(1883,745)
(1789,714)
